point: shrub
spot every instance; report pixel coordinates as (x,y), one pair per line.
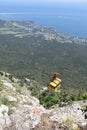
(6,102)
(70,124)
(10,111)
(1,86)
(49,99)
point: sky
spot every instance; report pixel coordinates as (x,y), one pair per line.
(42,1)
(76,6)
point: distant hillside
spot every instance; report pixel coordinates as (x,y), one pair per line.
(30,50)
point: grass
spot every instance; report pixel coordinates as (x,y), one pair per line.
(10,111)
(1,86)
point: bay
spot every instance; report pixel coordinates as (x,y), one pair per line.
(69,20)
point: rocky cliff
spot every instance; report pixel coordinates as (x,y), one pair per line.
(20,111)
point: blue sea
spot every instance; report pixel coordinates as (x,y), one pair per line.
(65,19)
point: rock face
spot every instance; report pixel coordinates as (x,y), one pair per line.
(27,118)
(20,111)
(37,118)
(4,117)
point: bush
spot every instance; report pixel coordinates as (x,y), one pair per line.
(49,99)
(10,111)
(84,96)
(1,86)
(5,101)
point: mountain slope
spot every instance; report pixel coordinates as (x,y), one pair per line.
(30,50)
(20,111)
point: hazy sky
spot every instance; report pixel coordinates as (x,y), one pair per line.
(42,1)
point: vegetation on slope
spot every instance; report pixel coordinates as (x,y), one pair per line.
(37,59)
(36,56)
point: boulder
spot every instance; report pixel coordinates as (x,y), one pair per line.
(11,98)
(4,118)
(8,85)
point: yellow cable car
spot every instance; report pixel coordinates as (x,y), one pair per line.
(55,83)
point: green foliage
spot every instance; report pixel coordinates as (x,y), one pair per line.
(37,59)
(62,98)
(10,111)
(48,99)
(5,101)
(1,86)
(1,73)
(85,109)
(84,96)
(18,89)
(21,84)
(70,124)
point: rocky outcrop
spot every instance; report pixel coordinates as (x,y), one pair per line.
(4,117)
(21,111)
(37,118)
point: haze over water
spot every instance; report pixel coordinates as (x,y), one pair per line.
(65,19)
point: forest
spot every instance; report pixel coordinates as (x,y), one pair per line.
(36,58)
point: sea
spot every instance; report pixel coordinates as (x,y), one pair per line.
(65,19)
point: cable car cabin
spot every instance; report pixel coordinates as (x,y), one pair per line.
(55,85)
